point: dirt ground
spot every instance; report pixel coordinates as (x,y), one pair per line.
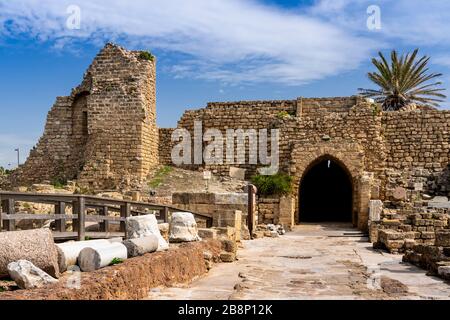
(131,279)
(329,261)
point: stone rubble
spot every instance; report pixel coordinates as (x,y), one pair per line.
(28,276)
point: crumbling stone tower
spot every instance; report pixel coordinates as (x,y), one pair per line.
(104,134)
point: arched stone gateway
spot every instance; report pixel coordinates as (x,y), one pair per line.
(348,162)
(326,192)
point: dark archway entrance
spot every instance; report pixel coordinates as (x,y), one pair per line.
(326,193)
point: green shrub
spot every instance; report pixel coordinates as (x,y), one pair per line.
(278,184)
(115,261)
(145,55)
(59,183)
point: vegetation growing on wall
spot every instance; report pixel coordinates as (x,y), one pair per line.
(158,178)
(283,115)
(145,55)
(278,184)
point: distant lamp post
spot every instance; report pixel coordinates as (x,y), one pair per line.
(18,156)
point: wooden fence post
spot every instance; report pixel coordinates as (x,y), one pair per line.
(125,212)
(251,209)
(81,211)
(8,208)
(164,214)
(104,225)
(60,223)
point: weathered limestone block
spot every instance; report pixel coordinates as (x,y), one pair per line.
(427,235)
(442,238)
(207,233)
(229,246)
(230,198)
(439,202)
(68,251)
(444,272)
(143,226)
(229,218)
(91,259)
(227,257)
(287,212)
(226,233)
(183,228)
(36,246)
(28,276)
(409,244)
(391,222)
(375,209)
(237,173)
(399,193)
(385,235)
(394,245)
(140,246)
(373,231)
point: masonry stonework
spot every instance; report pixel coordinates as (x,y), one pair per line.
(380,151)
(104,135)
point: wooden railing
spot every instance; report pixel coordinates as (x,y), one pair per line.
(106,211)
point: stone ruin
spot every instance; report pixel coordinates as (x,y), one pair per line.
(104,136)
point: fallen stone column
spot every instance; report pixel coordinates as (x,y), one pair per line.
(36,246)
(183,228)
(140,246)
(28,276)
(144,226)
(91,259)
(68,252)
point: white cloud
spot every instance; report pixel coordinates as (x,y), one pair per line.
(230,41)
(415,22)
(238,41)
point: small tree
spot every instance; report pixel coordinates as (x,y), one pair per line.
(403,81)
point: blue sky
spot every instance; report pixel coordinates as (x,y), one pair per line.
(216,50)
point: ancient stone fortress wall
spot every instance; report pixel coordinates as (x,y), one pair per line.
(380,151)
(418,154)
(234,115)
(104,134)
(247,115)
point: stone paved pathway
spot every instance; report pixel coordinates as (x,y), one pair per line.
(329,261)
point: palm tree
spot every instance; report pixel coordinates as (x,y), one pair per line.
(403,82)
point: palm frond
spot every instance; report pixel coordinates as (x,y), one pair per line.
(403,80)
